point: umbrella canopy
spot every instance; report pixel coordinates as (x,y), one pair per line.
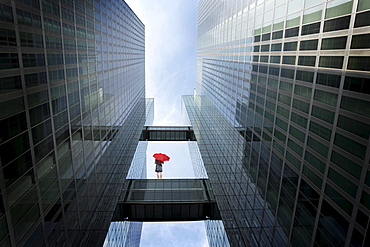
(161,157)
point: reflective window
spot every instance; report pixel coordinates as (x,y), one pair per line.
(360,41)
(289,60)
(334,43)
(326,97)
(354,126)
(276,47)
(291,32)
(359,63)
(311,28)
(308,45)
(331,62)
(307,60)
(277,35)
(346,164)
(350,146)
(362,19)
(328,80)
(305,76)
(323,114)
(337,24)
(357,84)
(290,46)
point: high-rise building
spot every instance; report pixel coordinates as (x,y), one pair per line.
(72,108)
(281,116)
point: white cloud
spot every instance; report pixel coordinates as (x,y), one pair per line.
(170,28)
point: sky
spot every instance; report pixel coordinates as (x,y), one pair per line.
(170,54)
(170,59)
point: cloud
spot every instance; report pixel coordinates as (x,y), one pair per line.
(179,234)
(170,52)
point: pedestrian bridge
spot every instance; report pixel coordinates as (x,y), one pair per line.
(166,200)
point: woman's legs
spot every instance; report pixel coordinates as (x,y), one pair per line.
(159,175)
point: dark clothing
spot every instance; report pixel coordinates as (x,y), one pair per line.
(158,166)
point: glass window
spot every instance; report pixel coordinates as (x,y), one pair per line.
(274,71)
(307,60)
(315,161)
(297,133)
(7,37)
(363,5)
(288,73)
(313,14)
(291,32)
(6,13)
(257,38)
(305,75)
(34,60)
(319,147)
(362,19)
(301,105)
(338,7)
(290,46)
(346,164)
(313,177)
(265,47)
(320,130)
(284,99)
(308,45)
(283,112)
(337,24)
(359,63)
(275,59)
(9,84)
(331,62)
(303,91)
(297,148)
(326,97)
(266,36)
(334,43)
(277,35)
(350,146)
(11,107)
(357,84)
(354,126)
(35,79)
(264,59)
(289,60)
(276,47)
(360,41)
(30,39)
(323,114)
(342,203)
(311,28)
(293,20)
(328,80)
(356,105)
(286,86)
(9,61)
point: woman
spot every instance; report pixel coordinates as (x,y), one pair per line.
(158,168)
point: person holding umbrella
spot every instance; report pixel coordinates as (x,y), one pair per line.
(159,161)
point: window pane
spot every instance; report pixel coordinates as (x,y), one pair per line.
(331,62)
(359,63)
(337,24)
(334,43)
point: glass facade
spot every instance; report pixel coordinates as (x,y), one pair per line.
(72,108)
(292,78)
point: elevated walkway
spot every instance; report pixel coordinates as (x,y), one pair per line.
(166,200)
(167,133)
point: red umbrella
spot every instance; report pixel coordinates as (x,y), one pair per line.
(161,157)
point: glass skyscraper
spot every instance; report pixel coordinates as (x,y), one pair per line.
(281,116)
(72,108)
